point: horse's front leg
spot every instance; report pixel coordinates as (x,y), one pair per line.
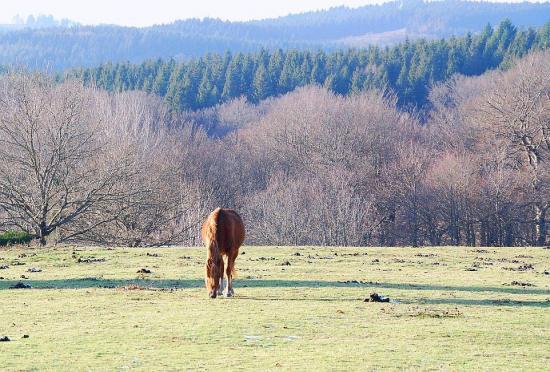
(220,284)
(230,268)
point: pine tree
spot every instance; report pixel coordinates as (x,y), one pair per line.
(274,69)
(318,71)
(205,96)
(232,86)
(160,85)
(358,79)
(262,84)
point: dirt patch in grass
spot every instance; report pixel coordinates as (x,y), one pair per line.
(483,251)
(132,287)
(425,254)
(375,297)
(317,257)
(90,259)
(152,254)
(520,284)
(137,287)
(523,267)
(422,312)
(426,312)
(262,259)
(355,254)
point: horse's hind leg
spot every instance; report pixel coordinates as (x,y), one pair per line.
(220,285)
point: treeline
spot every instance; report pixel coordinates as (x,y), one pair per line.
(408,69)
(310,167)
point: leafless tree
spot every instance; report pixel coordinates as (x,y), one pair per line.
(56,164)
(516,110)
(163,208)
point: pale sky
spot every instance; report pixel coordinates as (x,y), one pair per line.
(148,12)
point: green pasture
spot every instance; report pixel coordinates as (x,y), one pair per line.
(295,308)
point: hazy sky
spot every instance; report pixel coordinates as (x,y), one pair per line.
(148,12)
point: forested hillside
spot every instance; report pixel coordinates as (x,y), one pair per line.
(407,69)
(307,168)
(62,47)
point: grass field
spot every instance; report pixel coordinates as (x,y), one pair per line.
(452,309)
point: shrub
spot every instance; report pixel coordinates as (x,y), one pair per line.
(14,237)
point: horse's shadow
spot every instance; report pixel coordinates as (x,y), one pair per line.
(82,283)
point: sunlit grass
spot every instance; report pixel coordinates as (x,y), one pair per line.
(99,313)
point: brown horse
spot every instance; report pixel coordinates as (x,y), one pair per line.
(223,234)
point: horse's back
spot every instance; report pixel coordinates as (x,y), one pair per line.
(226,227)
(230,231)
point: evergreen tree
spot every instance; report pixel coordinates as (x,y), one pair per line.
(262,84)
(160,85)
(358,80)
(232,86)
(318,71)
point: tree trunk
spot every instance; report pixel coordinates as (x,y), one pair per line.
(471,234)
(540,225)
(42,233)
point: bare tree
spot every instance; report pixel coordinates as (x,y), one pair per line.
(56,165)
(452,181)
(162,207)
(516,110)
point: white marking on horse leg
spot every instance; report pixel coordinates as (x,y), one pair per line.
(229,291)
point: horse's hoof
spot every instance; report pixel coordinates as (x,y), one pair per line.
(229,294)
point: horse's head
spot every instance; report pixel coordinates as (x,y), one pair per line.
(212,278)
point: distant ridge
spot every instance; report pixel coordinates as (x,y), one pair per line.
(61,47)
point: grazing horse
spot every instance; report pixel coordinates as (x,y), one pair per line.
(223,234)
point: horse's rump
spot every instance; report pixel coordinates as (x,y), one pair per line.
(223,230)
